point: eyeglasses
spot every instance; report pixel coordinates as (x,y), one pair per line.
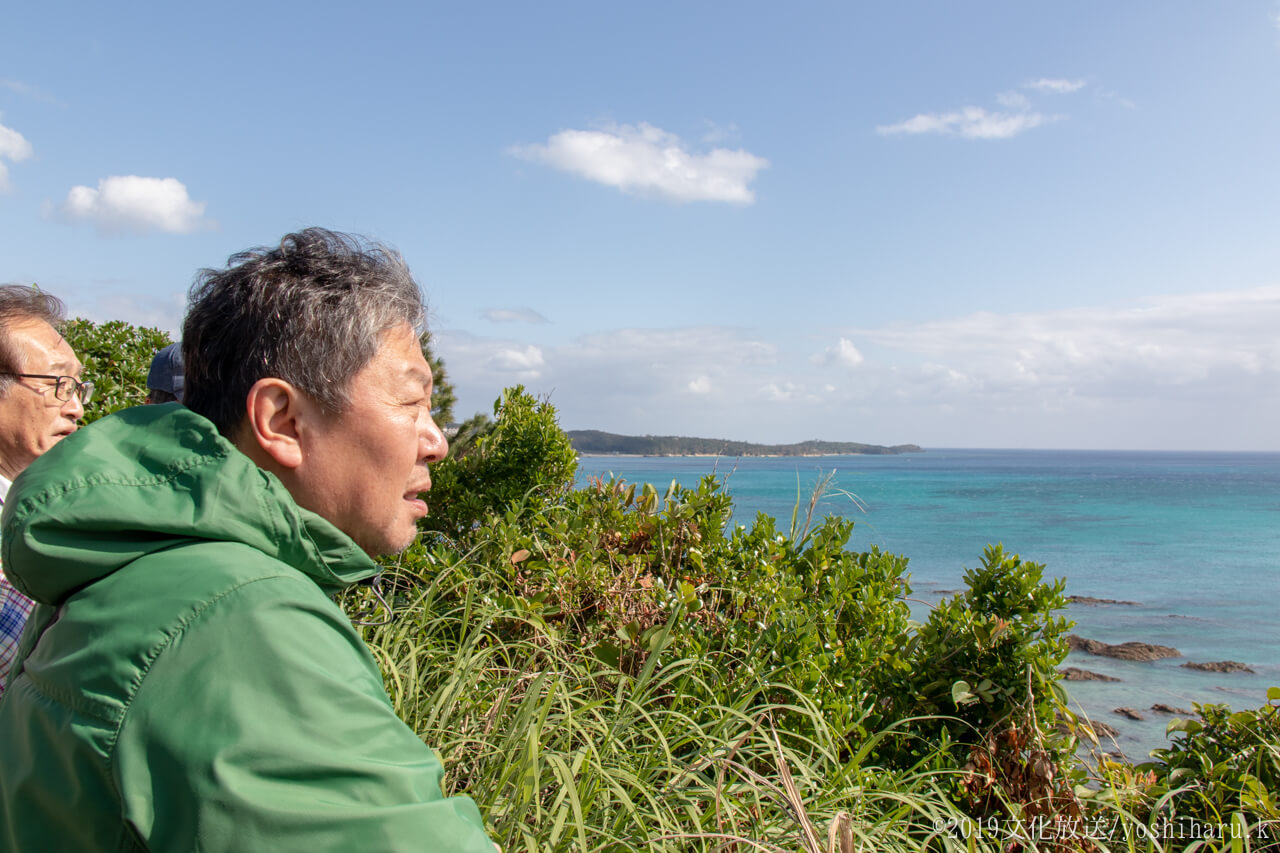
(66,387)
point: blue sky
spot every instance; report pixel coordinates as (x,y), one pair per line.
(956,224)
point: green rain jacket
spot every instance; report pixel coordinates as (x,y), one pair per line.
(186,682)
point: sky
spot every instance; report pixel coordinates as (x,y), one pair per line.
(962,224)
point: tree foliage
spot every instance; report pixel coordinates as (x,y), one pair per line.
(443,396)
(525,457)
(595,441)
(1219,778)
(116,356)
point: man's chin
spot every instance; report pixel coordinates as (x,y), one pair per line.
(389,546)
(404,543)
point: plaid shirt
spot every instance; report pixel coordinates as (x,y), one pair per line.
(14,610)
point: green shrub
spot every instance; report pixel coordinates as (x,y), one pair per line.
(990,654)
(117,357)
(565,751)
(1220,776)
(525,457)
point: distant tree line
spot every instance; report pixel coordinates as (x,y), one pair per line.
(595,441)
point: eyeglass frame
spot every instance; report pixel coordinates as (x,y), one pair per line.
(80,388)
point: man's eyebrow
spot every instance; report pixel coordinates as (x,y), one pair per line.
(423,376)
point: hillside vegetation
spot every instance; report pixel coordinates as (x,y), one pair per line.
(595,441)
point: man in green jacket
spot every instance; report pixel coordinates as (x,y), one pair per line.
(186,681)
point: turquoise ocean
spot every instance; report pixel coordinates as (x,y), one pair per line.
(1191,539)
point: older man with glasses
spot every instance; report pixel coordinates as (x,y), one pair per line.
(41,398)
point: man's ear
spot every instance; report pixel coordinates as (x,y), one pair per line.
(273,409)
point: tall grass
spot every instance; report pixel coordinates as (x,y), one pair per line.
(563,752)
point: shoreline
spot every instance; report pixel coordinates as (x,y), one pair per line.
(600,455)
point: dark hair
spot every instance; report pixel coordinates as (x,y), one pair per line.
(19,302)
(309,311)
(155,396)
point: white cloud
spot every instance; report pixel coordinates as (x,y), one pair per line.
(522,362)
(1200,344)
(779,393)
(719,132)
(27,90)
(1013,100)
(699,385)
(649,161)
(514,315)
(970,123)
(843,353)
(103,300)
(620,374)
(1055,85)
(136,205)
(13,147)
(1115,97)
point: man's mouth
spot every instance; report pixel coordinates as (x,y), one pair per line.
(414,498)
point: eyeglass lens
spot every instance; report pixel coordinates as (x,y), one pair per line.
(67,386)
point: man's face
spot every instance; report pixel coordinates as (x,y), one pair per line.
(364,469)
(32,418)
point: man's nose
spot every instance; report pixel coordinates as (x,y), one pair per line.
(432,444)
(73,408)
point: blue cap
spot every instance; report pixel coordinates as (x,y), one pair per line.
(166,371)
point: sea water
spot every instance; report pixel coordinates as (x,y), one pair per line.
(1192,540)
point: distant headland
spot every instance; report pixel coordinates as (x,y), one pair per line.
(596,442)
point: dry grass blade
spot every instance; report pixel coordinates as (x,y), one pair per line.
(794,799)
(840,834)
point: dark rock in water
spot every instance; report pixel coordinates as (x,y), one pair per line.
(1234,691)
(1122,651)
(1099,729)
(1075,673)
(1090,600)
(1103,730)
(1218,666)
(1161,708)
(1128,712)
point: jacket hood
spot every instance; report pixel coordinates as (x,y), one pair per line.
(142,480)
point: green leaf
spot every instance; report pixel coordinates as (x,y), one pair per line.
(629,633)
(961,694)
(608,653)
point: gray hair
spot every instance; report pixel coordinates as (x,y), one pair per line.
(309,311)
(19,302)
